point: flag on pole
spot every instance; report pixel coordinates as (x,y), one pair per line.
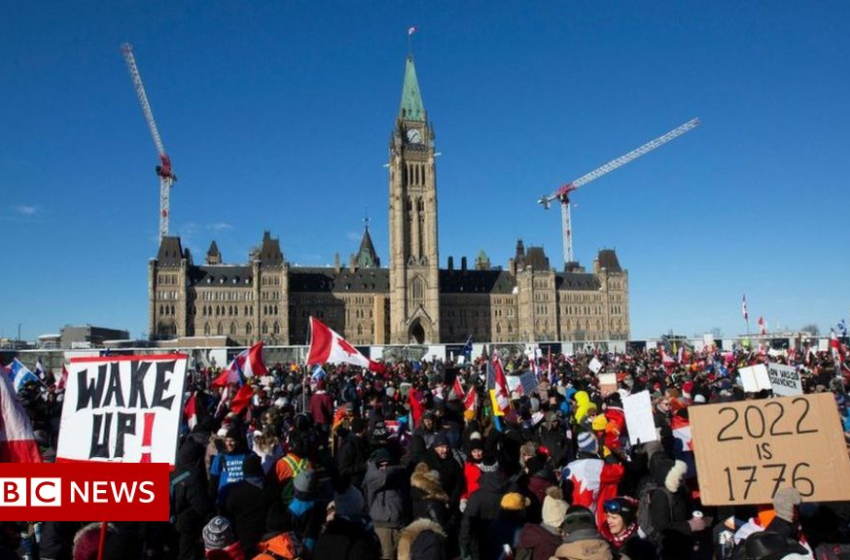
(40,371)
(835,345)
(17,442)
(842,328)
(457,387)
(20,375)
(247,364)
(412,30)
(469,401)
(499,393)
(328,347)
(242,398)
(467,350)
(190,412)
(63,379)
(762,326)
(744,311)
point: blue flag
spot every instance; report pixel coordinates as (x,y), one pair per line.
(467,350)
(842,327)
(20,375)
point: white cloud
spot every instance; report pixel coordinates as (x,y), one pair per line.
(25,210)
(219,226)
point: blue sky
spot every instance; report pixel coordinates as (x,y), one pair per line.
(277,116)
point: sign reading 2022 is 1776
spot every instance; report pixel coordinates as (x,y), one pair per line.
(122,408)
(746,451)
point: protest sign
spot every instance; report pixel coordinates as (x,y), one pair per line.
(708,340)
(785,380)
(608,383)
(755,378)
(513,382)
(639,420)
(594,365)
(746,451)
(122,408)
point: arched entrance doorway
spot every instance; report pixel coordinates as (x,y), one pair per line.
(417,333)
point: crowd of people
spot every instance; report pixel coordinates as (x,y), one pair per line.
(342,463)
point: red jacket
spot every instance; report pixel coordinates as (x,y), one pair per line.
(322,408)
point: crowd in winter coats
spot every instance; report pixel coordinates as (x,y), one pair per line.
(342,463)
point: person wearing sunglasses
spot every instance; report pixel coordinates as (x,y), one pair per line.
(621,529)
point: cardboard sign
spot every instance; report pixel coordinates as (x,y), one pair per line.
(594,365)
(785,380)
(125,409)
(639,419)
(755,378)
(747,451)
(608,383)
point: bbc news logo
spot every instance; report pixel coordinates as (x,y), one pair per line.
(84,492)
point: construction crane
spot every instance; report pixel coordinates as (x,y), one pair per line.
(562,195)
(163,170)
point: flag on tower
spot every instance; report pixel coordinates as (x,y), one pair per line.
(412,30)
(744,311)
(328,347)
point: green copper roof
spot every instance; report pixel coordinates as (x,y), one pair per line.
(411,108)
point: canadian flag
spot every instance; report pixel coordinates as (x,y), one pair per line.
(327,347)
(501,397)
(63,379)
(457,387)
(835,345)
(469,401)
(249,363)
(190,412)
(665,357)
(762,326)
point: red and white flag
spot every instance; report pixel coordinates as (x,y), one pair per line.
(190,412)
(17,442)
(63,379)
(457,387)
(249,363)
(327,347)
(835,345)
(762,326)
(744,311)
(412,30)
(470,400)
(502,396)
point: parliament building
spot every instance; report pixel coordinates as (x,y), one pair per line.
(412,300)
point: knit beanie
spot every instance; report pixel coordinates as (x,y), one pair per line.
(218,533)
(587,443)
(349,504)
(784,502)
(252,467)
(554,508)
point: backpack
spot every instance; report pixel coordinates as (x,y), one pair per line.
(644,518)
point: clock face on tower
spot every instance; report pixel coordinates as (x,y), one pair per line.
(414,136)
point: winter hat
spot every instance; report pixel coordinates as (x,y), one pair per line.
(599,423)
(699,399)
(87,542)
(218,533)
(476,444)
(554,508)
(381,455)
(252,467)
(514,501)
(440,439)
(349,504)
(784,502)
(233,433)
(578,518)
(624,506)
(304,481)
(587,443)
(767,545)
(358,425)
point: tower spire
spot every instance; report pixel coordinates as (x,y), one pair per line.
(411,108)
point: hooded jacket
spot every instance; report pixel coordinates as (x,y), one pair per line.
(422,540)
(482,510)
(429,499)
(384,491)
(668,510)
(583,406)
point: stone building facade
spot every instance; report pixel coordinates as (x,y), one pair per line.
(413,300)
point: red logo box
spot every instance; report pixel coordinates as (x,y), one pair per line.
(84,492)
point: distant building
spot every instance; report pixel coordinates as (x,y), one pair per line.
(412,300)
(87,336)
